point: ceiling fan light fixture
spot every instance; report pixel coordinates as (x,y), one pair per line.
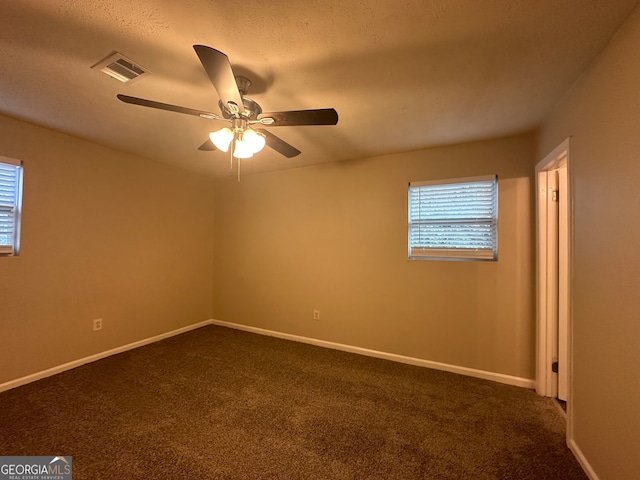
(242,149)
(255,140)
(222,138)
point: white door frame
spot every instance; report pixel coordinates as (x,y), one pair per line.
(547,336)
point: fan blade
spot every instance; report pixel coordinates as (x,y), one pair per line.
(279,145)
(323,116)
(207,146)
(218,67)
(170,108)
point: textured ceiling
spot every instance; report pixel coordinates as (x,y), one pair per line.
(402,74)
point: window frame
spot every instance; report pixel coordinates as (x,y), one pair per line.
(13,249)
(455,254)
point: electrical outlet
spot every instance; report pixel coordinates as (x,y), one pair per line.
(316,314)
(97,324)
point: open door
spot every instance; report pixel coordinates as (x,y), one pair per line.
(563,283)
(553,366)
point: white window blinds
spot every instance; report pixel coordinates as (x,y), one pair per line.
(10,199)
(454,219)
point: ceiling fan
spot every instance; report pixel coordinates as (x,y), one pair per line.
(240,138)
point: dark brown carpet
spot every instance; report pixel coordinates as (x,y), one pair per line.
(217,403)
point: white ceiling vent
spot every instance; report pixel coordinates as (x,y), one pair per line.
(121,68)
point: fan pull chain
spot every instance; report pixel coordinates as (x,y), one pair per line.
(236,135)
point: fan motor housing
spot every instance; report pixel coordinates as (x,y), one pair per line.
(251,109)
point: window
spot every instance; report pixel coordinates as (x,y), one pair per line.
(10,204)
(454,219)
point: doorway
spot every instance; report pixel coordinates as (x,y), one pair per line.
(553,232)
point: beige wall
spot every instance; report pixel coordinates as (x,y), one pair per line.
(104,235)
(333,238)
(602,115)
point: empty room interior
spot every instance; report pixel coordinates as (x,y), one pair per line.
(169,302)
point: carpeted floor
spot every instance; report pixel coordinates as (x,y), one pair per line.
(217,403)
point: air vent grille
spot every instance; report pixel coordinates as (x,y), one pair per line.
(121,68)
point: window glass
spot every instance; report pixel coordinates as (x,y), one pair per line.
(10,205)
(454,219)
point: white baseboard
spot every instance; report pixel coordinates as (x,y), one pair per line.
(582,460)
(98,356)
(496,377)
